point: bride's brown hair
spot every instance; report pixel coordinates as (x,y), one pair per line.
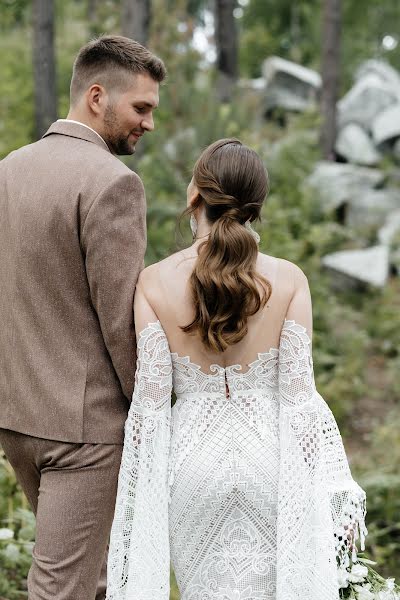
(226,290)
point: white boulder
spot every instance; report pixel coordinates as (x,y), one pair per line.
(371,208)
(355,145)
(369,266)
(390,228)
(337,183)
(386,125)
(288,85)
(381,69)
(367,98)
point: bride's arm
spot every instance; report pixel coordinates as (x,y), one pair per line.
(138,565)
(320,504)
(300,306)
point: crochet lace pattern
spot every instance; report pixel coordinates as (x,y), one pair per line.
(249,492)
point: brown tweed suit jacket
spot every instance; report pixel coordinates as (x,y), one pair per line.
(72,242)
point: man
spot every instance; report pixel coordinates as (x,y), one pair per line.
(72,242)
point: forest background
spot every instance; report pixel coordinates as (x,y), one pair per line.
(356,333)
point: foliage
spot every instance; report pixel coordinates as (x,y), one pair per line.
(356,335)
(291,30)
(379,476)
(285,28)
(13,13)
(361,582)
(17,532)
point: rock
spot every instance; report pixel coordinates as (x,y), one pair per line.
(337,184)
(355,145)
(390,228)
(366,99)
(381,69)
(369,266)
(371,208)
(257,84)
(289,86)
(386,125)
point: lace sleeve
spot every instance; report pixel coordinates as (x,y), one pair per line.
(320,508)
(138,564)
(347,498)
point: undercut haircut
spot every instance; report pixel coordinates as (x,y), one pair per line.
(109,60)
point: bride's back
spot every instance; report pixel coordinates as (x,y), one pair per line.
(221,302)
(167,288)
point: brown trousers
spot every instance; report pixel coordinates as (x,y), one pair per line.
(71,489)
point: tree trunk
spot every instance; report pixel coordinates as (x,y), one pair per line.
(136,19)
(331,31)
(44,71)
(227,48)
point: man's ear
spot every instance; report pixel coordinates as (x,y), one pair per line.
(97,98)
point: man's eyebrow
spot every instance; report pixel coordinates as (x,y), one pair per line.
(148,104)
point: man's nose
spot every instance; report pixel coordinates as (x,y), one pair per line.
(148,123)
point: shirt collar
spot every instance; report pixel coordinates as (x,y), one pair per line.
(80,123)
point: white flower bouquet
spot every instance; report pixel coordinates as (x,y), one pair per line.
(359,581)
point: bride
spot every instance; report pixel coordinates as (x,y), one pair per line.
(243,484)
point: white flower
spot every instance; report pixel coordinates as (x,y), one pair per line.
(390,584)
(364,592)
(386,595)
(6,534)
(358,573)
(343,581)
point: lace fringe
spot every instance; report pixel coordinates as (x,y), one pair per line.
(351,528)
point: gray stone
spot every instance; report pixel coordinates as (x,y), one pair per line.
(390,228)
(371,208)
(381,69)
(255,85)
(337,184)
(386,125)
(355,145)
(289,86)
(366,99)
(369,266)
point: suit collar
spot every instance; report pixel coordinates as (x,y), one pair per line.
(76,130)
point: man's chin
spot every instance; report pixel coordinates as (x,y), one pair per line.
(127,151)
(124,149)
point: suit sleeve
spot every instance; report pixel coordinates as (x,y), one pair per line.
(114,242)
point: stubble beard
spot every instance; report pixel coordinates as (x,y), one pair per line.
(113,136)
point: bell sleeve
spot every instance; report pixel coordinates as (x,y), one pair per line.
(139,562)
(321,509)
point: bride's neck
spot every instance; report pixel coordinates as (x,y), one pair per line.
(203,227)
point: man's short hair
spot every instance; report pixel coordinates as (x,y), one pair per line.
(108,60)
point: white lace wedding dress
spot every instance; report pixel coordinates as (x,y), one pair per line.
(244,484)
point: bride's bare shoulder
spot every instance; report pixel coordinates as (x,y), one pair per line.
(282,268)
(162,273)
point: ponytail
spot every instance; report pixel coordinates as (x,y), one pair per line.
(225,288)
